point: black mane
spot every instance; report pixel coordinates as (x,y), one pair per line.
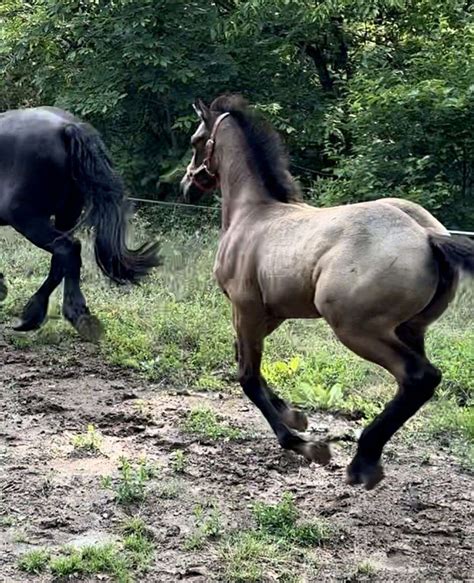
(268,154)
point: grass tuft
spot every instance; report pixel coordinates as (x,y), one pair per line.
(274,546)
(90,441)
(205,423)
(122,561)
(131,487)
(208,526)
(34,562)
(281,520)
(179,461)
(249,557)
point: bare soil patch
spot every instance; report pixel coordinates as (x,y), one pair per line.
(416,526)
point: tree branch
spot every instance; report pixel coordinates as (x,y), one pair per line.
(314,52)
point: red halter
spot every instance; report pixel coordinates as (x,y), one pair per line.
(205,167)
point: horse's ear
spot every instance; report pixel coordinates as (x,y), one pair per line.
(202,110)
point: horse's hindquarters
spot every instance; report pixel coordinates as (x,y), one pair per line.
(384,285)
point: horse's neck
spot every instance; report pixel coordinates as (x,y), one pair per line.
(241,188)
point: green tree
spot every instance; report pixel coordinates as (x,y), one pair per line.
(374,97)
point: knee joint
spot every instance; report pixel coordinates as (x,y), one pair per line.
(248,381)
(425,382)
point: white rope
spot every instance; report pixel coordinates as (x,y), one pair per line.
(174,204)
(215,208)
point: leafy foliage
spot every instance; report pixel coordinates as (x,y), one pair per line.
(374,98)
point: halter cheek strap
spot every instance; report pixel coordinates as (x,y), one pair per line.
(206,163)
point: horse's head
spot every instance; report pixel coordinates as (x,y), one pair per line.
(202,173)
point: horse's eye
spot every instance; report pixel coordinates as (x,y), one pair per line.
(195,142)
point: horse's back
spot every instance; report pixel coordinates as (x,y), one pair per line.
(344,254)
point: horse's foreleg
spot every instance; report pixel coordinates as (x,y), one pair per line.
(34,313)
(292,417)
(65,262)
(417,379)
(42,234)
(250,337)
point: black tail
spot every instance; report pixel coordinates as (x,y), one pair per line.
(457,252)
(107,208)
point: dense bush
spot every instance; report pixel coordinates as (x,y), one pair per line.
(373,97)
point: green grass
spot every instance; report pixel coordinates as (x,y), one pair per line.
(34,562)
(89,441)
(170,489)
(179,462)
(131,486)
(365,569)
(208,527)
(6,521)
(123,561)
(248,557)
(90,560)
(278,543)
(205,423)
(176,329)
(281,520)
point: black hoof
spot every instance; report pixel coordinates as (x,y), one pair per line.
(361,471)
(3,288)
(89,327)
(33,316)
(295,419)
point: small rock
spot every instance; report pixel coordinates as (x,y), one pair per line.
(198,573)
(129,395)
(399,548)
(183,392)
(173,531)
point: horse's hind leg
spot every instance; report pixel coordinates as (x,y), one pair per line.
(75,309)
(417,379)
(250,342)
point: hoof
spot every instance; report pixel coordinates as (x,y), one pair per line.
(367,473)
(24,326)
(316,451)
(295,419)
(33,316)
(3,288)
(89,328)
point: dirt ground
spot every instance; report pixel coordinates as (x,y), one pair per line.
(416,526)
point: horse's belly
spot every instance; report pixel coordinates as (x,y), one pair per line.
(288,298)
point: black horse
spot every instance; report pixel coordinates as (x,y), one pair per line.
(55,176)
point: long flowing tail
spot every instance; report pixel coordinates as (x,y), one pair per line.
(107,208)
(457,252)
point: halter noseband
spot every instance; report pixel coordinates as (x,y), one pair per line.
(206,163)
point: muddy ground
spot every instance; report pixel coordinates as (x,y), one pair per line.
(416,526)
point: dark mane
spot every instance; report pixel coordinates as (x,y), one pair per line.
(268,154)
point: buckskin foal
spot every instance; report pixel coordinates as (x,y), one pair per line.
(378,272)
